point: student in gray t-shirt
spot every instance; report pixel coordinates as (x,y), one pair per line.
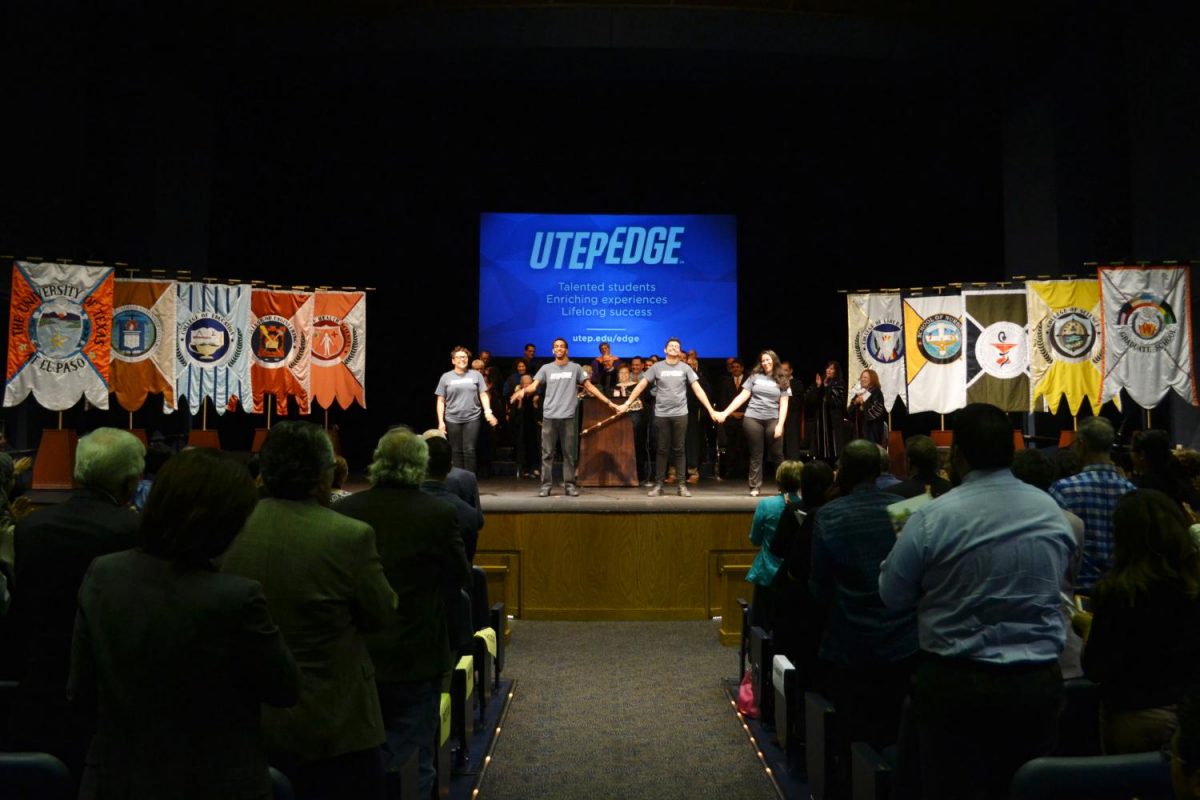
(562,379)
(671,378)
(462,399)
(768,392)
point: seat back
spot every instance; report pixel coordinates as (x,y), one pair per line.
(1142,775)
(480,608)
(34,776)
(281,787)
(1079,725)
(820,741)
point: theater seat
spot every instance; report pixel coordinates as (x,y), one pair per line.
(1079,725)
(821,745)
(281,787)
(1146,776)
(34,776)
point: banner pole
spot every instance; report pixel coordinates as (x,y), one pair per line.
(204,415)
(1074,422)
(130,420)
(942,422)
(60,427)
(326,419)
(1147,419)
(268,412)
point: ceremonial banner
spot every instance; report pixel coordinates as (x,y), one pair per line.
(997,348)
(213,355)
(59,328)
(339,349)
(933,353)
(877,342)
(143,342)
(280,331)
(1147,316)
(1066,348)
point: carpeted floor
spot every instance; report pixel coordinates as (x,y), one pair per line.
(621,710)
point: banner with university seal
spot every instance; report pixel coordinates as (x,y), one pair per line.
(877,342)
(59,328)
(279,336)
(1065,345)
(933,353)
(997,348)
(212,351)
(339,349)
(143,342)
(1147,322)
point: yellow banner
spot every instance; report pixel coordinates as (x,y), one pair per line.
(1066,343)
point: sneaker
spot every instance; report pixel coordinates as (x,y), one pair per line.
(693,479)
(754,492)
(684,491)
(657,491)
(544,491)
(572,491)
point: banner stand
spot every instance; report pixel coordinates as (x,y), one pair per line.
(54,462)
(204,437)
(260,434)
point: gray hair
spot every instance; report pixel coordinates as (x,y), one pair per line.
(1096,435)
(400,459)
(109,459)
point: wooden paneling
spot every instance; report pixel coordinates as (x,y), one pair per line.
(618,566)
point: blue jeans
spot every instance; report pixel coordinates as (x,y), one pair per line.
(410,715)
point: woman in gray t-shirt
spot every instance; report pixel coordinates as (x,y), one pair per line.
(462,399)
(768,390)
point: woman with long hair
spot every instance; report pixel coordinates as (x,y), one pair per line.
(462,399)
(768,391)
(178,656)
(870,414)
(1142,643)
(1156,467)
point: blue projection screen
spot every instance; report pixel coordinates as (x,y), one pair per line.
(633,280)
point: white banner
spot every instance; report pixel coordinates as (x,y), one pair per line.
(876,341)
(1147,338)
(933,354)
(213,354)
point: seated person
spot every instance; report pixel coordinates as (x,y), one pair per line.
(921,456)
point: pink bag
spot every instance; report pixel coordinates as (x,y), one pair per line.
(745,697)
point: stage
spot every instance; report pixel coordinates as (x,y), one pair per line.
(614,553)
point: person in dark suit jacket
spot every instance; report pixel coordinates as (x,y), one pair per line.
(325,587)
(437,484)
(53,548)
(736,460)
(180,682)
(425,562)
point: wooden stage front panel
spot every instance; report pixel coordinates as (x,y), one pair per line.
(618,566)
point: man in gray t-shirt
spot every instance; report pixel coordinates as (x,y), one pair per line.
(671,378)
(562,379)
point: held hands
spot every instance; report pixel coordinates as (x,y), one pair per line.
(516,397)
(623,407)
(718,416)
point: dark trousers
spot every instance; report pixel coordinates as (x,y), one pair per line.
(463,436)
(868,700)
(562,432)
(977,723)
(760,437)
(672,433)
(638,419)
(730,436)
(358,774)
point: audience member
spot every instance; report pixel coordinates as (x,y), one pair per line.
(325,586)
(157,455)
(1143,647)
(766,520)
(1156,467)
(179,683)
(1092,494)
(341,472)
(1033,467)
(53,549)
(425,562)
(797,628)
(470,520)
(866,647)
(921,456)
(983,566)
(886,480)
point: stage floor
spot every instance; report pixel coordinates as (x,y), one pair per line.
(520,495)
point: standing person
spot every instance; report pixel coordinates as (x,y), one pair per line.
(870,413)
(562,377)
(983,566)
(325,587)
(768,516)
(672,378)
(180,683)
(729,435)
(605,368)
(425,563)
(1143,645)
(462,398)
(827,397)
(769,392)
(794,424)
(640,413)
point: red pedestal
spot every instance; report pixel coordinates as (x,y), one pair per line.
(208,439)
(54,462)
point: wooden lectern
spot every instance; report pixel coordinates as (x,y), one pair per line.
(606,455)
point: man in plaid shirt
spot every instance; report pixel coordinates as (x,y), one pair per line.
(1092,494)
